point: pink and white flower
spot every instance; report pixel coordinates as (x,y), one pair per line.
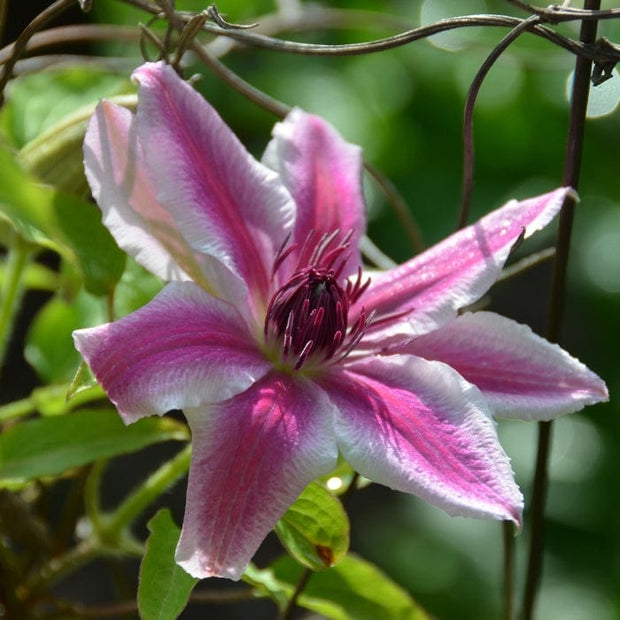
(277,345)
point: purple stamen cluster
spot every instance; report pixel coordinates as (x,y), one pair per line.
(309,314)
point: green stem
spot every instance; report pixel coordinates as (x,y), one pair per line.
(41,397)
(108,530)
(509,547)
(12,290)
(153,487)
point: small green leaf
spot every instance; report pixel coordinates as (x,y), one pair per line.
(49,345)
(355,589)
(82,381)
(164,586)
(50,446)
(315,529)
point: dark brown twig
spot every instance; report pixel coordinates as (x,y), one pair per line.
(399,205)
(19,47)
(468,116)
(572,168)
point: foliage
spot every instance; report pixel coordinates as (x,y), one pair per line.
(60,270)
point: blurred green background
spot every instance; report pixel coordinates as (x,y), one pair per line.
(405,107)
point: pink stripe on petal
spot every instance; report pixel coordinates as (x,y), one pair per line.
(183,349)
(521,374)
(120,183)
(417,426)
(427,290)
(224,202)
(252,456)
(323,172)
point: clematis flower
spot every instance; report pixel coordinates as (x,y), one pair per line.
(279,347)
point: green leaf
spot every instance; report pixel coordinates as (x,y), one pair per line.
(61,222)
(355,589)
(136,288)
(164,586)
(36,102)
(50,446)
(83,382)
(49,345)
(315,529)
(56,155)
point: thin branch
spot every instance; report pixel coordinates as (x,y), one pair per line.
(255,95)
(555,13)
(313,17)
(468,116)
(526,263)
(409,36)
(598,54)
(572,168)
(304,578)
(63,35)
(397,202)
(43,18)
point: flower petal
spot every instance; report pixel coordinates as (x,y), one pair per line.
(252,456)
(323,172)
(115,170)
(224,202)
(183,349)
(120,183)
(419,427)
(521,374)
(426,291)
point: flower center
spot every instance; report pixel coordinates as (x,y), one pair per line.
(307,316)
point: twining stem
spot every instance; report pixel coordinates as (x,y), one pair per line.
(109,529)
(20,253)
(572,168)
(468,115)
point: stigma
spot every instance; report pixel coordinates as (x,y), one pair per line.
(308,316)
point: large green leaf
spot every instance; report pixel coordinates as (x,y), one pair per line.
(37,101)
(50,446)
(164,586)
(62,222)
(353,590)
(315,529)
(55,156)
